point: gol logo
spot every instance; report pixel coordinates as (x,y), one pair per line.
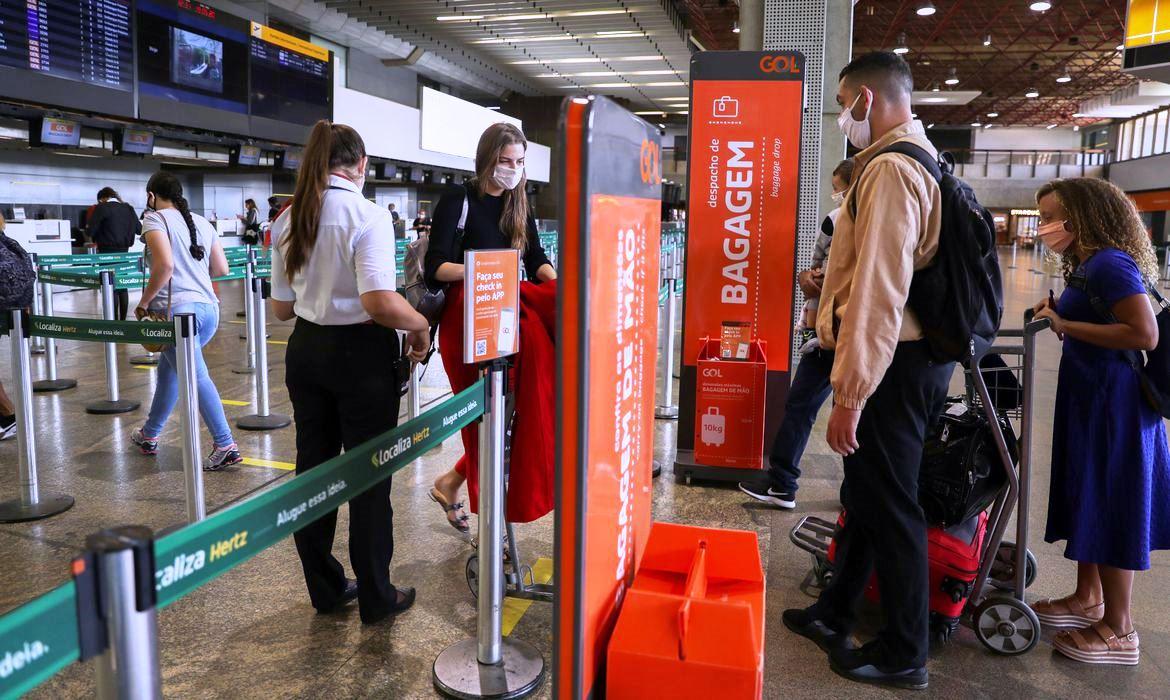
(711,372)
(650,162)
(779,64)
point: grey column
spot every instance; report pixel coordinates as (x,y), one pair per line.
(823,31)
(751,25)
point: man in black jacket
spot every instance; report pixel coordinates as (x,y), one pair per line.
(113,227)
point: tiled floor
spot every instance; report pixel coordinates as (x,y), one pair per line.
(252,633)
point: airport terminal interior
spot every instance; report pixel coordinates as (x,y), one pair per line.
(653,131)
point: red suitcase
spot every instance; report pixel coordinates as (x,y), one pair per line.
(954,556)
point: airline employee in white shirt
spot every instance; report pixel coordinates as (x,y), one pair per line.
(333,269)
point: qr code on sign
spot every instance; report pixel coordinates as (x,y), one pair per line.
(480,348)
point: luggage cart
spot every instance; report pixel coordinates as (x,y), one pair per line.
(519,579)
(999,614)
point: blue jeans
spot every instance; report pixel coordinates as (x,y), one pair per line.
(810,388)
(166,390)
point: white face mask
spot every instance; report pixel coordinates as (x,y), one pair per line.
(838,198)
(506,177)
(857,132)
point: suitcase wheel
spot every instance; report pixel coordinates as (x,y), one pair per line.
(1003,569)
(942,628)
(472,573)
(1006,626)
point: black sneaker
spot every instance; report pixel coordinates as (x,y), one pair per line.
(763,491)
(806,623)
(7,427)
(867,665)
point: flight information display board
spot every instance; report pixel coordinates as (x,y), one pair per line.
(191,53)
(292,79)
(85,40)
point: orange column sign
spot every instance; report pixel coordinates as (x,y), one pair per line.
(607,351)
(745,127)
(491,310)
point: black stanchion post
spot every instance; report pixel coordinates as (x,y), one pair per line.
(247,289)
(117,571)
(113,403)
(51,382)
(261,419)
(490,666)
(185,342)
(32,504)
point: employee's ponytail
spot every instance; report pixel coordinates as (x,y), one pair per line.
(331,148)
(166,186)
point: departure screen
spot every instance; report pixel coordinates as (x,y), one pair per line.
(291,78)
(84,40)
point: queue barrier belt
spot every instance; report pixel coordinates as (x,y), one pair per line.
(40,638)
(100,330)
(91,259)
(37,640)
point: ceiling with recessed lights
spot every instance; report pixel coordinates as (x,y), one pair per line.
(1005,51)
(632,49)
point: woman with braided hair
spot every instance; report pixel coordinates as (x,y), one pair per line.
(183,254)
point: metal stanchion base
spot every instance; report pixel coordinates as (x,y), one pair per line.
(37,351)
(243,370)
(656,471)
(272,421)
(241,314)
(148,359)
(106,408)
(244,336)
(666,412)
(50,504)
(458,674)
(46,385)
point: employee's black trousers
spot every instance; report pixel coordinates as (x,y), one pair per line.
(884,526)
(343,390)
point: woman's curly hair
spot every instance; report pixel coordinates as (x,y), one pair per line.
(1102,216)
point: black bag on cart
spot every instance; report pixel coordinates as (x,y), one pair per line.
(962,471)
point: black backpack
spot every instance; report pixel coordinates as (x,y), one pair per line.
(17,276)
(1154,368)
(958,299)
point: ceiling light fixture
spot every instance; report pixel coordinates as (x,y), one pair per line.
(987,126)
(901,48)
(1040,6)
(1050,126)
(953,78)
(976,124)
(935,88)
(987,40)
(525,39)
(1079,115)
(554,60)
(992,115)
(934,100)
(926,9)
(647,114)
(1121,47)
(735,27)
(591,13)
(1064,77)
(458,18)
(610,34)
(930,125)
(1032,93)
(1076,127)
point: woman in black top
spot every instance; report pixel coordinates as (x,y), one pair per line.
(497,217)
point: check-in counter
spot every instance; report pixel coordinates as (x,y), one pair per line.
(42,236)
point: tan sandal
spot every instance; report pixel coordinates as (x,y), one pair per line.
(454,511)
(1068,613)
(1101,647)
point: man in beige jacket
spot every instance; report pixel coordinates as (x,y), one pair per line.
(886,388)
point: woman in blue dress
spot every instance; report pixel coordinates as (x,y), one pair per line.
(1110,492)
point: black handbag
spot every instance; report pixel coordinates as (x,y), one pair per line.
(962,471)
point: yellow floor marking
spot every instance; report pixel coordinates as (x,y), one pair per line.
(278,342)
(253,462)
(514,608)
(238,322)
(145,367)
(230,402)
